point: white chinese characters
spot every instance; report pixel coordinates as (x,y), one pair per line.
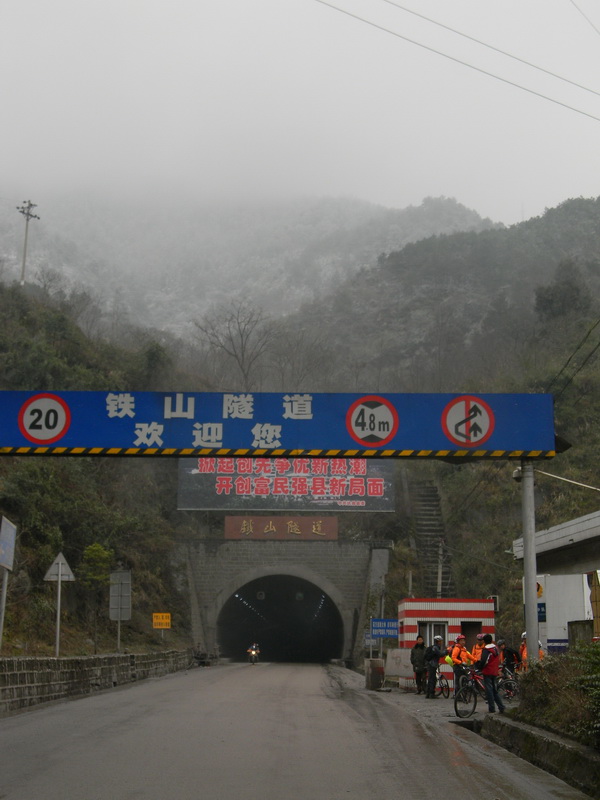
(181,421)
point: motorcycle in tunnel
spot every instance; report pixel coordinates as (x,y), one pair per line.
(253,653)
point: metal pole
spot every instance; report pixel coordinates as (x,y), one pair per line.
(529,559)
(57,648)
(3,603)
(439,569)
(119,619)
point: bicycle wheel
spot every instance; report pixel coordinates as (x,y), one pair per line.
(443,686)
(463,680)
(465,702)
(508,689)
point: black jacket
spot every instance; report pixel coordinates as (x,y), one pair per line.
(437,654)
(417,658)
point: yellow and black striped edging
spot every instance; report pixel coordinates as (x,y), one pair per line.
(194,452)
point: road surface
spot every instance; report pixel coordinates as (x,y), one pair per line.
(257,732)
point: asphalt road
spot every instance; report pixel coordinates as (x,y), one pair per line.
(264,732)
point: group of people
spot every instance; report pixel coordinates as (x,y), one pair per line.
(485,656)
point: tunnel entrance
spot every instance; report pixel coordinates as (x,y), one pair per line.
(290,618)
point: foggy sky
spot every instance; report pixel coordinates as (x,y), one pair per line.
(246,98)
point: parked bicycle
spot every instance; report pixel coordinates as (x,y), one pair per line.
(472,688)
(442,687)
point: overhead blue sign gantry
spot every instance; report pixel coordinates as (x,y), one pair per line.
(119,423)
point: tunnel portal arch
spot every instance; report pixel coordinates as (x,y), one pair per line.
(291,618)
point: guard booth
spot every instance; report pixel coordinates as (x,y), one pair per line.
(440,616)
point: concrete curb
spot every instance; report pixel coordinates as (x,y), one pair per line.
(576,764)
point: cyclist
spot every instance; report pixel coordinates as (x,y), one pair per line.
(509,658)
(477,647)
(524,654)
(461,658)
(489,664)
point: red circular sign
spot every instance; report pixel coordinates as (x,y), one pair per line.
(44,418)
(372,421)
(468,421)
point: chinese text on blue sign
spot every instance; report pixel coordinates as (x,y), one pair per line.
(269,424)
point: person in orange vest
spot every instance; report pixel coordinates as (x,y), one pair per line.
(523,652)
(477,647)
(461,658)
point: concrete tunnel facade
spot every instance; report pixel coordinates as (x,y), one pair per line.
(302,601)
(291,618)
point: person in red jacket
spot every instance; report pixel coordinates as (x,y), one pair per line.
(489,665)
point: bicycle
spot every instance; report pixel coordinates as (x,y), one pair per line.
(508,689)
(465,699)
(442,687)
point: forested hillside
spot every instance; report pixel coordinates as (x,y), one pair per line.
(162,264)
(498,310)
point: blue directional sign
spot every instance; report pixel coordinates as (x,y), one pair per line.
(384,628)
(269,424)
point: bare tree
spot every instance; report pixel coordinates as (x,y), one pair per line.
(241,332)
(297,356)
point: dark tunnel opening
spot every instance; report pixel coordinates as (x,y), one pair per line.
(291,619)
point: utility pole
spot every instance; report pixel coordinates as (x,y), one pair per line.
(440,566)
(529,558)
(27,210)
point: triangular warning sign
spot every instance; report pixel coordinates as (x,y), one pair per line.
(66,573)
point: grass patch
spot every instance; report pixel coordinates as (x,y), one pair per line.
(562,694)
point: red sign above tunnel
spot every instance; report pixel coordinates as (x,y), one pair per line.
(283,528)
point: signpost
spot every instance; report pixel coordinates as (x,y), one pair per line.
(162,621)
(59,571)
(8,535)
(120,600)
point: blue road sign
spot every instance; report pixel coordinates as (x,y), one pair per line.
(270,424)
(384,628)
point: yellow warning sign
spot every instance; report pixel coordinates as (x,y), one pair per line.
(161,620)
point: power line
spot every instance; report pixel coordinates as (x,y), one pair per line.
(578,370)
(490,47)
(457,60)
(572,356)
(584,16)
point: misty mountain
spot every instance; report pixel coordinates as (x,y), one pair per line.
(458,310)
(164,263)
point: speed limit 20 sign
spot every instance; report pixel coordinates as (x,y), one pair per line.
(44,418)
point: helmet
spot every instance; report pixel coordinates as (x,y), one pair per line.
(524,635)
(500,642)
(479,636)
(459,638)
(438,639)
